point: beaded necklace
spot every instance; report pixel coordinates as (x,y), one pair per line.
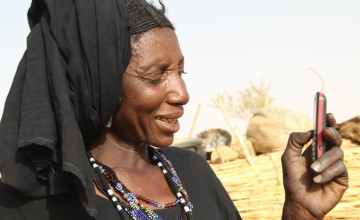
(105,176)
(156,204)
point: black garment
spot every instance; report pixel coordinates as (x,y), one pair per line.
(13,206)
(208,196)
(66,87)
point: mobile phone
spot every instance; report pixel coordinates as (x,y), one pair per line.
(319,145)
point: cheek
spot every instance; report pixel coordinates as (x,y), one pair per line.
(142,98)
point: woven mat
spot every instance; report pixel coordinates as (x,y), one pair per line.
(258,191)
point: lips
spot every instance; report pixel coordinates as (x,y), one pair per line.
(167,120)
(169,123)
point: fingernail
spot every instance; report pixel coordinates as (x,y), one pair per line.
(316,166)
(317,178)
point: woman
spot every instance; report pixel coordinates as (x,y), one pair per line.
(100,85)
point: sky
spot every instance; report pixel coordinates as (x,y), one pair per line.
(229,43)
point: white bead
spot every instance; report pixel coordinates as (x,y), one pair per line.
(186,209)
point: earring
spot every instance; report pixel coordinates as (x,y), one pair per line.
(108,125)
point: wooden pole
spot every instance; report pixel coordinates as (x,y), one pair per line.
(241,141)
(195,119)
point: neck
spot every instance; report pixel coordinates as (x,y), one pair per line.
(115,153)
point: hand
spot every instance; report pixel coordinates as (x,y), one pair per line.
(313,189)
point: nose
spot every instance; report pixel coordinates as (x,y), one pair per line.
(178,94)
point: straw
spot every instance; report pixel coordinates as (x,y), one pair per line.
(321,78)
(257,191)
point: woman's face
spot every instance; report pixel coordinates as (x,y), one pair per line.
(153,92)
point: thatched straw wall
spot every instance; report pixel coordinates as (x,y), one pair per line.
(258,191)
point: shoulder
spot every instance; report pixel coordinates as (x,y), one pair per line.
(180,153)
(186,159)
(209,197)
(188,163)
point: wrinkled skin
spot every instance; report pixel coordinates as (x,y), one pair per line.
(313,189)
(154,92)
(152,99)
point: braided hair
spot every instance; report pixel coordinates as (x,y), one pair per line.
(143,16)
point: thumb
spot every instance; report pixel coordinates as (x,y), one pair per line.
(296,142)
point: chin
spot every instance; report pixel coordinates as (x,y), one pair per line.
(164,142)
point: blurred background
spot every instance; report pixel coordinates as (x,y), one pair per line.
(230,44)
(250,56)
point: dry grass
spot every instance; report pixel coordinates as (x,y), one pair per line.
(258,192)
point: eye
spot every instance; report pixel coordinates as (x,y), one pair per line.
(152,81)
(156,80)
(181,73)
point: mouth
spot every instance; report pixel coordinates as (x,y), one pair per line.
(169,125)
(167,120)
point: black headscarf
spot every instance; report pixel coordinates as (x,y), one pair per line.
(66,87)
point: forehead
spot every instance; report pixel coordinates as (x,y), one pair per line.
(156,40)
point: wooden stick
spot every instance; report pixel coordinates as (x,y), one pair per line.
(195,119)
(241,141)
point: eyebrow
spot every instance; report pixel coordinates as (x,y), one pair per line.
(164,65)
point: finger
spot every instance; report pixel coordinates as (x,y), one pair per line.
(338,169)
(296,142)
(308,154)
(327,160)
(330,120)
(332,136)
